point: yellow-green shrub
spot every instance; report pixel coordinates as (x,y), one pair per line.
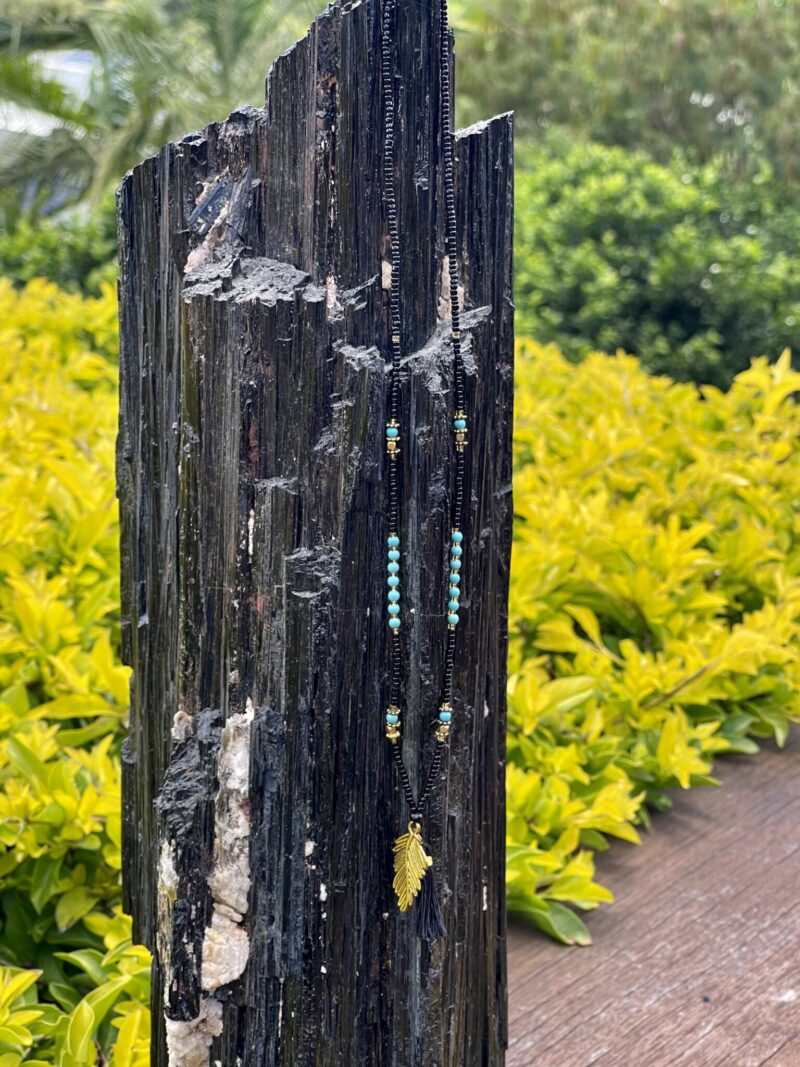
(655,599)
(63,695)
(655,602)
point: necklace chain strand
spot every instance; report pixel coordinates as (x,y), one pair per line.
(411,862)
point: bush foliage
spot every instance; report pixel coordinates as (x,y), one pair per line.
(655,603)
(77,254)
(655,599)
(694,274)
(716,79)
(72,986)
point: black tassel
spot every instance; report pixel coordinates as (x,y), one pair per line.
(430,923)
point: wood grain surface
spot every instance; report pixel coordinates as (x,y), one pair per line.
(697,964)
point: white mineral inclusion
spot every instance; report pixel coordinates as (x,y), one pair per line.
(167,875)
(331,293)
(189,1042)
(226,946)
(167,893)
(181,725)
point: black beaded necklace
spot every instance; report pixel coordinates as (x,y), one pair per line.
(413,873)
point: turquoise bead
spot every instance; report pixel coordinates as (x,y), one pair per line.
(454,592)
(394,609)
(393,568)
(458,537)
(394,596)
(445,716)
(392,432)
(394,554)
(452,619)
(392,718)
(394,581)
(455,578)
(393,541)
(453,605)
(455,564)
(394,624)
(456,551)
(460,424)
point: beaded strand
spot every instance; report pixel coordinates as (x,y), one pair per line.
(444,717)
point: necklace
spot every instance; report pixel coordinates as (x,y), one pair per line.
(413,866)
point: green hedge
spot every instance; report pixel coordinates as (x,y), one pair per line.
(655,604)
(715,78)
(78,253)
(693,273)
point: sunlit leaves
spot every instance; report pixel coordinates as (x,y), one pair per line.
(655,602)
(63,694)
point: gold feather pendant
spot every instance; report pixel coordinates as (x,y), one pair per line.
(411,863)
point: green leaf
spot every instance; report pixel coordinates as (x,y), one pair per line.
(88,960)
(104,996)
(552,918)
(73,905)
(16,986)
(779,723)
(78,1048)
(63,994)
(563,924)
(28,764)
(44,883)
(595,840)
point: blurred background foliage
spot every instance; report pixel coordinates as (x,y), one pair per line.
(658,144)
(713,78)
(656,562)
(694,272)
(148,71)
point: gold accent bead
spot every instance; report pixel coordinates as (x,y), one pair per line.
(392,731)
(442,731)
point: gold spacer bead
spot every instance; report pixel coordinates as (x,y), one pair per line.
(442,731)
(392,732)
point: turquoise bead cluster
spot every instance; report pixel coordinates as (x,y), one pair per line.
(393,569)
(393,439)
(454,591)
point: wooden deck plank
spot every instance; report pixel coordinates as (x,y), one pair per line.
(698,962)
